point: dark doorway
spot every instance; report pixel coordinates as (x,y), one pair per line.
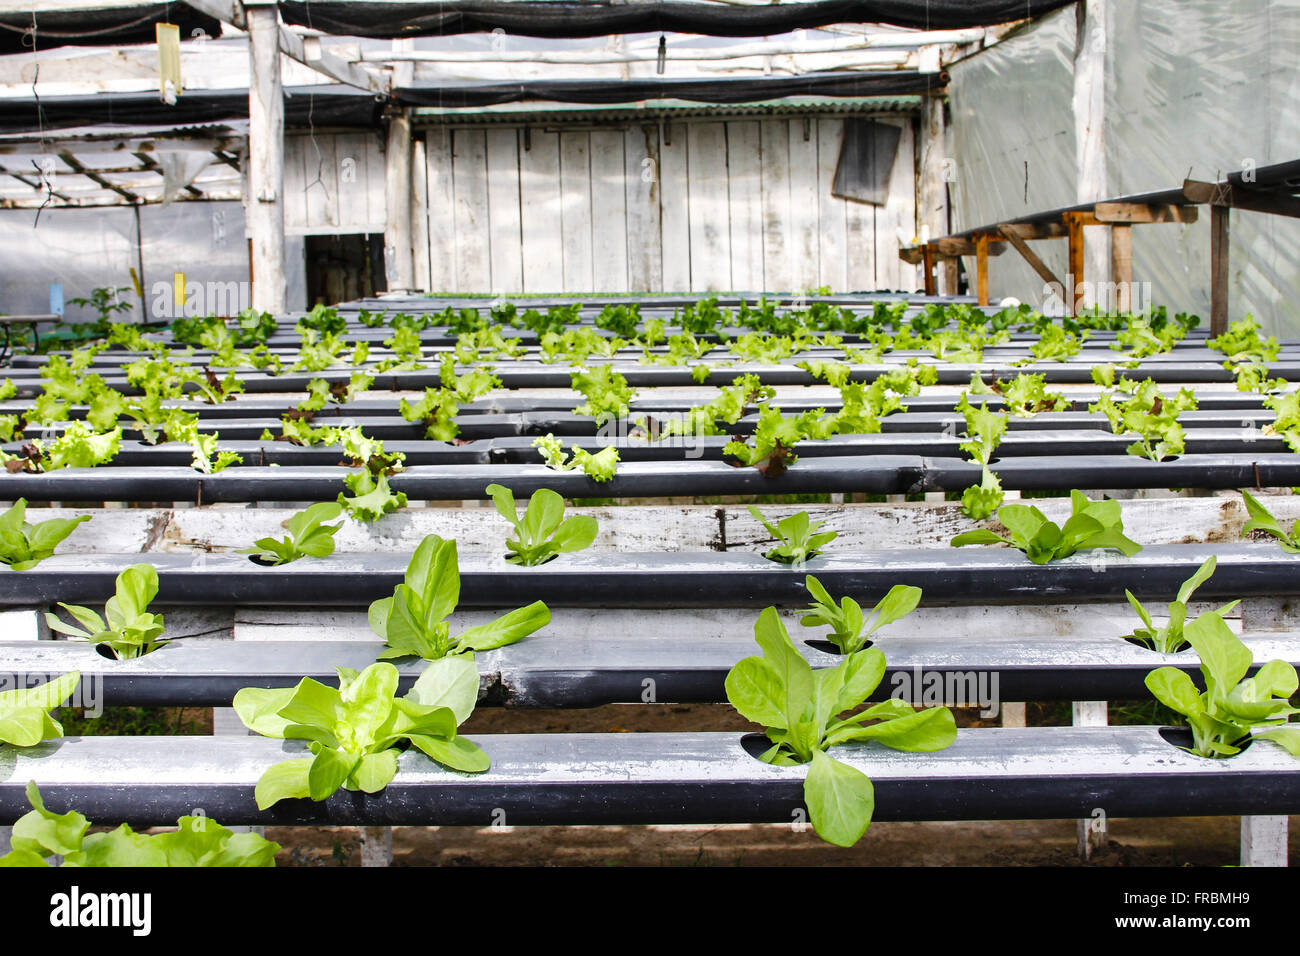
(343,268)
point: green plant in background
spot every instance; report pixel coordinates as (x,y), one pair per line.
(356,731)
(77,447)
(1261,519)
(107,302)
(984,432)
(1286,418)
(606,392)
(25,718)
(1234,709)
(543,532)
(846,619)
(797,535)
(601,466)
(1169,639)
(130,630)
(23,545)
(372,497)
(413,621)
(800,709)
(1149,415)
(309,536)
(197,841)
(1055,345)
(436,411)
(1092,524)
(1242,343)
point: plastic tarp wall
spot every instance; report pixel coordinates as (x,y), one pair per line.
(81,248)
(1188,88)
(1012,137)
(88,248)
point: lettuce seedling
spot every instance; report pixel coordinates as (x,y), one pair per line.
(1233,708)
(357,730)
(798,537)
(543,532)
(1169,639)
(372,497)
(799,708)
(131,630)
(1149,415)
(413,621)
(25,712)
(1261,519)
(198,841)
(309,536)
(601,466)
(846,619)
(23,545)
(1092,524)
(1242,343)
(984,431)
(606,392)
(436,411)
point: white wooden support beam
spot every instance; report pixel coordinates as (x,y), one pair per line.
(310,52)
(264,200)
(422,272)
(936,172)
(1092,829)
(398,260)
(1089,101)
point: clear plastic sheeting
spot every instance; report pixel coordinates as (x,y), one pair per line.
(81,248)
(1190,88)
(1190,92)
(1012,130)
(89,248)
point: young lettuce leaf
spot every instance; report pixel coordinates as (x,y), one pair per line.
(356,731)
(127,628)
(198,841)
(1169,639)
(797,536)
(1092,524)
(309,536)
(25,712)
(846,619)
(543,532)
(23,545)
(1234,708)
(413,621)
(800,708)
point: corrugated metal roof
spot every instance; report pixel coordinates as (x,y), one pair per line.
(653,109)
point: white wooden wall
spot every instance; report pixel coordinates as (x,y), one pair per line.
(333,184)
(740,205)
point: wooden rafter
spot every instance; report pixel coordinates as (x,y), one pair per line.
(75,165)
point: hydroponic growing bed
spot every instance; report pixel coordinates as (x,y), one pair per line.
(911,430)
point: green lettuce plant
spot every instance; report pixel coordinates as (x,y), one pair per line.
(25,718)
(1092,524)
(797,537)
(128,629)
(1261,519)
(197,841)
(800,710)
(1234,709)
(1169,639)
(846,619)
(23,545)
(543,532)
(309,536)
(357,731)
(413,621)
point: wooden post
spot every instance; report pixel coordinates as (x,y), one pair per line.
(1089,102)
(932,208)
(1219,217)
(1121,266)
(982,268)
(398,261)
(927,264)
(1075,270)
(420,217)
(264,201)
(1092,829)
